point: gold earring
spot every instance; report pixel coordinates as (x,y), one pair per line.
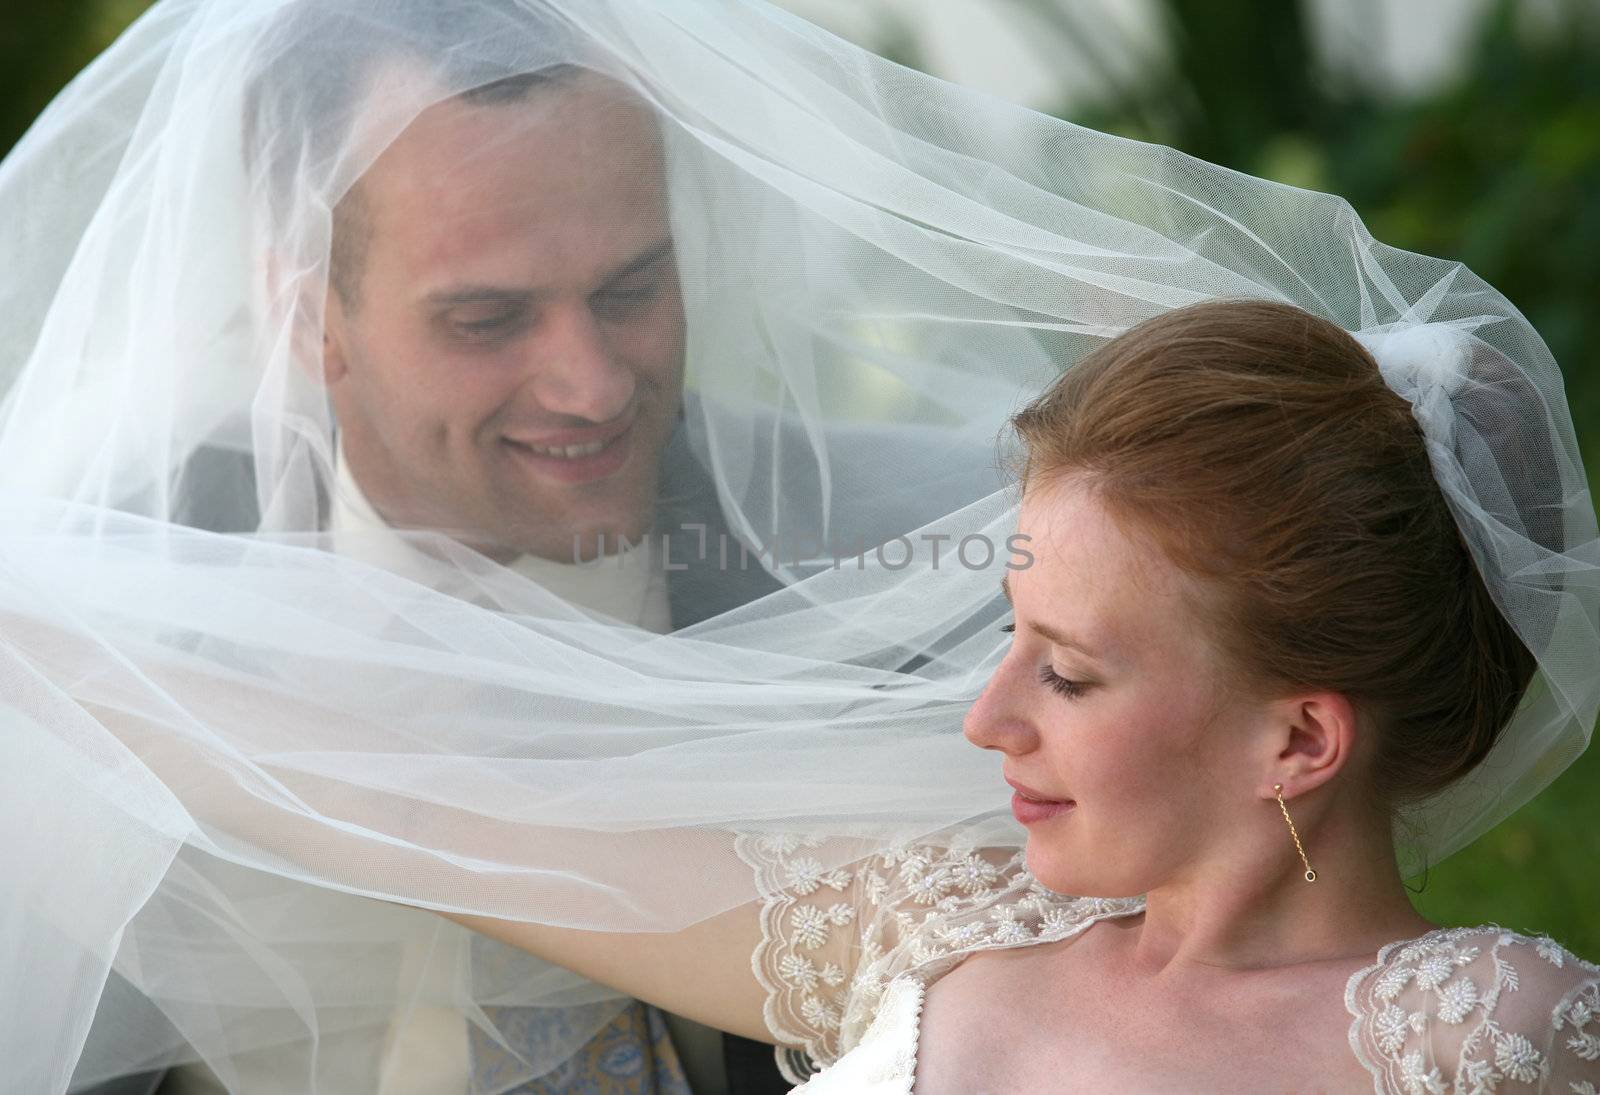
(1311,876)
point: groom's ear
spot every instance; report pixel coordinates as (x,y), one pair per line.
(316,331)
(335,335)
(1315,734)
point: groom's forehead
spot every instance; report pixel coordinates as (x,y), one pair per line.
(581,112)
(566,163)
(495,201)
(524,140)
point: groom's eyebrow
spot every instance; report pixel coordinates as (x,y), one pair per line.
(480,294)
(646,258)
(504,294)
(1059,638)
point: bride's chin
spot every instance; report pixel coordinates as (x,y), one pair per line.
(1063,871)
(1050,868)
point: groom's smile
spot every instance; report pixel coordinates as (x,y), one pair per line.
(574,457)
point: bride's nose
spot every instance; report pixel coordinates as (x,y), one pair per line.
(999,720)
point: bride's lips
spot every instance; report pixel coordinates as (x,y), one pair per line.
(575,456)
(1032,806)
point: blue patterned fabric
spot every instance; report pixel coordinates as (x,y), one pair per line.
(631,1055)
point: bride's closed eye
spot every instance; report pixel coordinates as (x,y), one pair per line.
(1059,684)
(1050,678)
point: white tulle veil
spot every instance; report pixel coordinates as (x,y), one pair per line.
(877,269)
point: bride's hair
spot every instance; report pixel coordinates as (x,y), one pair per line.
(1262,449)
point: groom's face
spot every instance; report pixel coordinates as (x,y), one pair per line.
(504,341)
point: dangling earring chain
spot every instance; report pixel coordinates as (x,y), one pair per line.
(1311,876)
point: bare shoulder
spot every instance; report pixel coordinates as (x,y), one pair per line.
(1010,1019)
(1067,1017)
(977,1024)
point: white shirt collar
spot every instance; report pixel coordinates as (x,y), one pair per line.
(627,586)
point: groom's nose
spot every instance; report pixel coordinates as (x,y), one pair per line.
(573,370)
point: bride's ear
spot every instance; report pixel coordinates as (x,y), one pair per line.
(1314,734)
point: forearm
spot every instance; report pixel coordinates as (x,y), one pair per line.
(259,810)
(702,972)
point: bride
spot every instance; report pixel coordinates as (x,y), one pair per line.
(1239,647)
(1285,601)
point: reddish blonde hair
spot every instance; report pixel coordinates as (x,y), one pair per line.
(1262,450)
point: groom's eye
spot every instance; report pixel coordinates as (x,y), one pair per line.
(629,297)
(482,325)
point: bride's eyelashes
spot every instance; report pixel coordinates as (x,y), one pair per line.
(1059,684)
(1049,677)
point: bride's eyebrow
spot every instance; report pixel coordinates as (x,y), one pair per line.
(1059,638)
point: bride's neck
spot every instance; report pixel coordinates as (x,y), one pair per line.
(1249,906)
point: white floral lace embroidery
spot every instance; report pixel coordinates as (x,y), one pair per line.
(834,938)
(1459,1011)
(1473,1011)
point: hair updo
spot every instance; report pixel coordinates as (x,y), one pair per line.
(1262,449)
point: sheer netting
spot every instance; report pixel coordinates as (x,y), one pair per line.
(494,456)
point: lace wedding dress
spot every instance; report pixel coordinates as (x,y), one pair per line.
(848,954)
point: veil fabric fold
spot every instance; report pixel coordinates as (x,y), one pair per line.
(242,756)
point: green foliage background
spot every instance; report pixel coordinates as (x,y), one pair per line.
(1500,170)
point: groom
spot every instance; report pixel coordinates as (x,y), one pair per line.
(503,352)
(504,355)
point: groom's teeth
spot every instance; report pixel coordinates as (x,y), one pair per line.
(568,452)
